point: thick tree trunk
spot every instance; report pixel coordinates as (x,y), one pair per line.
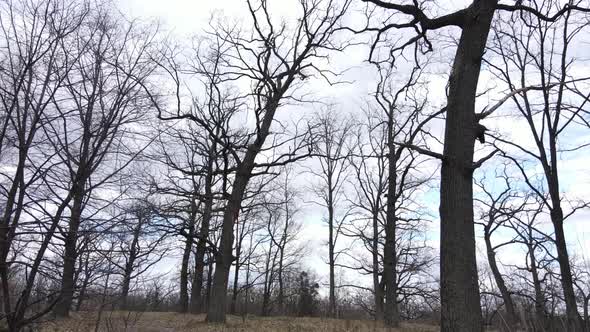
(66,294)
(223,259)
(460,300)
(511,317)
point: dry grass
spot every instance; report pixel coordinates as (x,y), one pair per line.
(168,322)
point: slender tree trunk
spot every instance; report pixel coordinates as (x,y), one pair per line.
(210,267)
(378,295)
(574,321)
(512,318)
(66,294)
(586,316)
(460,300)
(186,254)
(331,259)
(234,297)
(129,266)
(196,304)
(183,297)
(540,316)
(392,316)
(85,282)
(281,295)
(267,282)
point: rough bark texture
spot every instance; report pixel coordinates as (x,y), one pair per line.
(460,300)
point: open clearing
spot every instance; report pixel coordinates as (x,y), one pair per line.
(169,321)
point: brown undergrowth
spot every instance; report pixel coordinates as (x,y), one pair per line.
(118,321)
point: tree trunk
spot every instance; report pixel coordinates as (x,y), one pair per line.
(281,295)
(540,317)
(460,300)
(331,260)
(234,296)
(196,304)
(267,282)
(378,295)
(223,259)
(66,294)
(574,321)
(186,254)
(512,318)
(210,265)
(392,317)
(133,251)
(85,282)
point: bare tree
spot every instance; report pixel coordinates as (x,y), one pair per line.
(332,147)
(369,167)
(106,101)
(34,65)
(459,283)
(272,67)
(550,99)
(497,208)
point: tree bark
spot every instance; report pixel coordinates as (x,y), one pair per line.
(378,295)
(234,297)
(574,321)
(196,304)
(186,254)
(460,299)
(223,257)
(331,259)
(540,317)
(66,294)
(129,266)
(392,316)
(511,317)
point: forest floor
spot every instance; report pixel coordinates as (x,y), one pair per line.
(169,322)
